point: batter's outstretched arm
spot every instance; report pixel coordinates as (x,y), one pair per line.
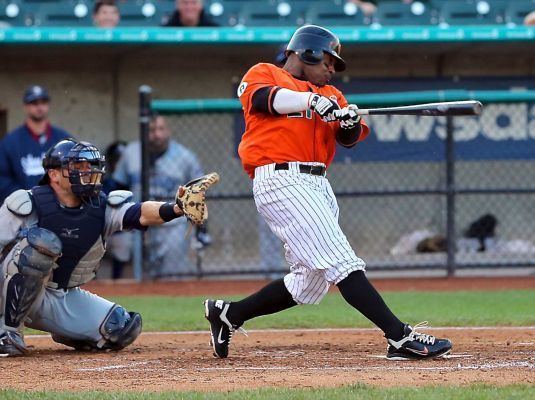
(277,101)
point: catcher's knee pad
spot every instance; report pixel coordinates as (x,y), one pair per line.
(33,259)
(119,329)
(38,252)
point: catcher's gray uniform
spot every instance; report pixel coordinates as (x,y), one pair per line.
(72,315)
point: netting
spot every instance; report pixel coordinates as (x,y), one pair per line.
(393,205)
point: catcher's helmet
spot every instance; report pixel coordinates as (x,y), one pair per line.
(310,42)
(82,162)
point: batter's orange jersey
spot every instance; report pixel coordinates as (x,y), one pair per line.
(275,138)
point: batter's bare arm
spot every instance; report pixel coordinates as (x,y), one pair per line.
(277,101)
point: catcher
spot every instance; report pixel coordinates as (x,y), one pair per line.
(52,239)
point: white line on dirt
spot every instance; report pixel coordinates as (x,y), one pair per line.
(452,328)
(119,366)
(501,365)
(458,367)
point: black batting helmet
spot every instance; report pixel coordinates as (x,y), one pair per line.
(310,42)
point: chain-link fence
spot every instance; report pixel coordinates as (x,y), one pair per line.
(425,192)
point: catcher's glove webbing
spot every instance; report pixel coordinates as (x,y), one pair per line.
(191,198)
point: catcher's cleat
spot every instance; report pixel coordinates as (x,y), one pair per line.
(221,329)
(417,346)
(12,344)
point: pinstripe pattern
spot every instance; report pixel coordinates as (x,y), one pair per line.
(302,211)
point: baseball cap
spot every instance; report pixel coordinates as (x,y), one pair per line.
(34,93)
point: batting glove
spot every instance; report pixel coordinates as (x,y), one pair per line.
(324,107)
(348,116)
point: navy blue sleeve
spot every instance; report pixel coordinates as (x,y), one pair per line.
(131,218)
(8,180)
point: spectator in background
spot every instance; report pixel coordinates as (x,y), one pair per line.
(530,19)
(189,13)
(171,165)
(367,7)
(22,150)
(119,245)
(106,14)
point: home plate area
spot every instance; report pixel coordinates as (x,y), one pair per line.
(274,358)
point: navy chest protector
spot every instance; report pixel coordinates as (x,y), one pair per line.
(78,228)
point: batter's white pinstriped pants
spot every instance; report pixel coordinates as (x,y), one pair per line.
(302,211)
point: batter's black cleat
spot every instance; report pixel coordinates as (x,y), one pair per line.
(417,346)
(221,329)
(12,344)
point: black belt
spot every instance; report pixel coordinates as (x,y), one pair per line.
(318,170)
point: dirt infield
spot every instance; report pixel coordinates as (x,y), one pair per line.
(159,362)
(299,358)
(224,287)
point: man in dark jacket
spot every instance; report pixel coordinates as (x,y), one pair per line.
(189,13)
(22,150)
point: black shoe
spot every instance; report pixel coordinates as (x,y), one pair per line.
(12,344)
(221,329)
(417,346)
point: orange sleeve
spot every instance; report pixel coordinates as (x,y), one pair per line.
(257,77)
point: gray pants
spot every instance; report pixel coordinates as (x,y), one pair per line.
(72,313)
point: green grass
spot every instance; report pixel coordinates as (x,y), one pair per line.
(361,392)
(474,308)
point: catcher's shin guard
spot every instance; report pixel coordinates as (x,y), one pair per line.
(33,260)
(119,329)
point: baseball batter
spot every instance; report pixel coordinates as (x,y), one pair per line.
(52,239)
(294,119)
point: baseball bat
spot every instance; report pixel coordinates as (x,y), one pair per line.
(470,107)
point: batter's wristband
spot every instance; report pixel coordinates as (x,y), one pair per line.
(167,212)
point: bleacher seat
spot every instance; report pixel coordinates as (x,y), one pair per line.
(330,15)
(267,14)
(132,15)
(462,12)
(61,14)
(230,11)
(6,20)
(397,13)
(165,9)
(517,10)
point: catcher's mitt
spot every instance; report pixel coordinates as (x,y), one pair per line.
(191,198)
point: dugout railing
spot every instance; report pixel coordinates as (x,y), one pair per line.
(426,192)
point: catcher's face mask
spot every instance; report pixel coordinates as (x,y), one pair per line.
(84,167)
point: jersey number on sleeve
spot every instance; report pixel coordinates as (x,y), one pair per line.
(307,114)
